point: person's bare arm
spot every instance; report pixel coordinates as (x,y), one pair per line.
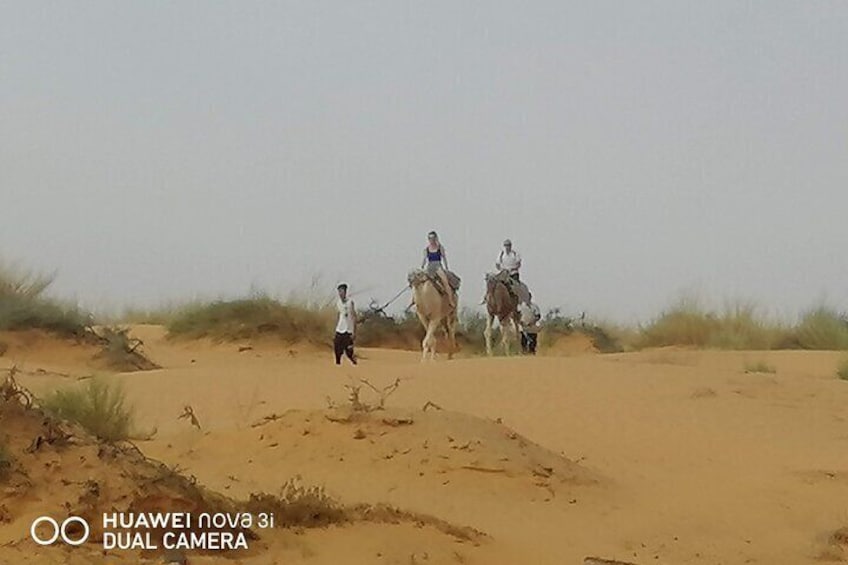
(353,317)
(445,260)
(424,260)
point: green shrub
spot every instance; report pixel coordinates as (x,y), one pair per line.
(98,406)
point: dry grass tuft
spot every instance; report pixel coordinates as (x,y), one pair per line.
(120,351)
(759,367)
(98,406)
(555,325)
(842,369)
(6,461)
(377,329)
(741,326)
(301,506)
(688,323)
(255,317)
(821,328)
(24,305)
(298,505)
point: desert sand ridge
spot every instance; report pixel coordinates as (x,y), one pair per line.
(661,456)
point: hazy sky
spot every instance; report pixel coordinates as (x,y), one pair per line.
(154,151)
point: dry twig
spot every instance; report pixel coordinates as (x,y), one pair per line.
(188,414)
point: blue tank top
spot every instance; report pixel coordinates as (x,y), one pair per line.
(434,256)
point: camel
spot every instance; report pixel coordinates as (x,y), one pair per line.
(434,311)
(502,304)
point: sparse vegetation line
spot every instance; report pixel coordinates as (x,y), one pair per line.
(25,305)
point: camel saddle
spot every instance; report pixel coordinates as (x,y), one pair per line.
(516,289)
(422,275)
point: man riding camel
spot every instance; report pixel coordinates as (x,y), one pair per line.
(435,263)
(509,262)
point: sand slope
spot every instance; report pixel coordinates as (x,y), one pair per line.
(667,456)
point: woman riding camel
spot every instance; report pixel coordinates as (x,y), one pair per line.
(435,262)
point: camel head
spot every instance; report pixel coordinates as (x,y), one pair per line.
(492,279)
(416,277)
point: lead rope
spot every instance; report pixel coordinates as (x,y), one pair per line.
(390,302)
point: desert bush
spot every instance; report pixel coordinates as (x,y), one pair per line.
(298,505)
(120,351)
(377,329)
(6,461)
(555,325)
(759,367)
(469,333)
(688,323)
(98,406)
(160,316)
(821,328)
(842,369)
(253,317)
(23,305)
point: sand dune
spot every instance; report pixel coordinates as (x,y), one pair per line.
(665,456)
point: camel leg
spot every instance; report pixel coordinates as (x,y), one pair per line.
(509,332)
(426,324)
(424,345)
(429,343)
(450,330)
(487,333)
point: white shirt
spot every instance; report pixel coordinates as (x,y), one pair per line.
(529,316)
(347,316)
(509,262)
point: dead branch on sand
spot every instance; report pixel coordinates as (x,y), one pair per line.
(188,414)
(356,404)
(267,420)
(599,561)
(430,404)
(10,390)
(384,393)
(356,407)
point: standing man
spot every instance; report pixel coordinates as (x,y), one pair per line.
(530,317)
(345,327)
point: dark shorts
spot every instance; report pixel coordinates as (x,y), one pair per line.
(343,345)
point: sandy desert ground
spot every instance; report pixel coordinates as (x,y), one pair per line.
(666,456)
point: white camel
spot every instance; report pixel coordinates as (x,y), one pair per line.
(435,311)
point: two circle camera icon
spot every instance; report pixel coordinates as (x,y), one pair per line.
(59,530)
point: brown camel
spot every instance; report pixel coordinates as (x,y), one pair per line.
(503,305)
(434,309)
